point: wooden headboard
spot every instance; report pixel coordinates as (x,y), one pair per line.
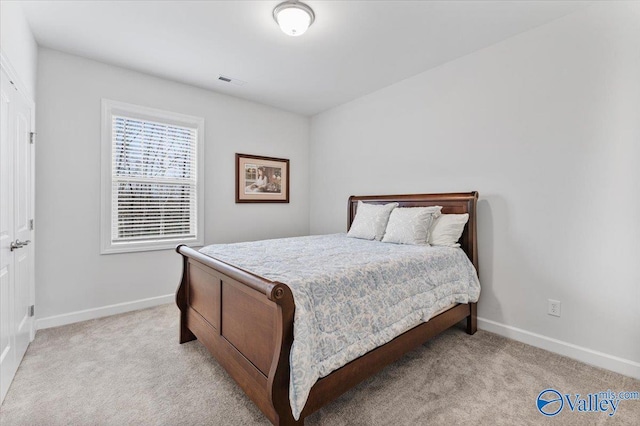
(455,202)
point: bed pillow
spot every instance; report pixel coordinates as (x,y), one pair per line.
(410,225)
(447,229)
(370,221)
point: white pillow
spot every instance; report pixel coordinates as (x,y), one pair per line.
(410,225)
(370,221)
(447,229)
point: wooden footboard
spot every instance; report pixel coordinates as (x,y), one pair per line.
(246,322)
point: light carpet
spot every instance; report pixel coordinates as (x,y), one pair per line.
(130,370)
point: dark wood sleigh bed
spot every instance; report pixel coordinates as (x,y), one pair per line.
(246,321)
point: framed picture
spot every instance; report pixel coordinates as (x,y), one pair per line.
(261,179)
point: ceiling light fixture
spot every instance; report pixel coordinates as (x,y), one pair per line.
(293,17)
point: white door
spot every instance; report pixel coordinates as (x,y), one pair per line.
(16,247)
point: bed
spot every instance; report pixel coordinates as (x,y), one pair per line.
(246,321)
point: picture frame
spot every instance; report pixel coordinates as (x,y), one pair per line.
(261,179)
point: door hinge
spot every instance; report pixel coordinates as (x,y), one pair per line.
(32,310)
(31,225)
(32,137)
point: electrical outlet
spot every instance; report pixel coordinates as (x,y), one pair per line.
(554,308)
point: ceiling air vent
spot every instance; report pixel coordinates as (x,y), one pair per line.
(231,80)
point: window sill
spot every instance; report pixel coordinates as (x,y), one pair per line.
(133,247)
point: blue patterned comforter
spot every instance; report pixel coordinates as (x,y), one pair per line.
(352,295)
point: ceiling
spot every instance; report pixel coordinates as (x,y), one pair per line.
(353,48)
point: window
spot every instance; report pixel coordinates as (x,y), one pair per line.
(151,178)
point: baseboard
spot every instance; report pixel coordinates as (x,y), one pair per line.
(586,355)
(103,311)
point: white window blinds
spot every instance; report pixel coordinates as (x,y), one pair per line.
(154,181)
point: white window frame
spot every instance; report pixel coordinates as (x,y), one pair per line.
(111,108)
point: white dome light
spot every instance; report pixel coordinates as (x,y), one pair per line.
(293,17)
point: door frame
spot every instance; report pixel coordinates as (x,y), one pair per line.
(22,89)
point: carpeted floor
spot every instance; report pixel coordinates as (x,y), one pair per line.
(130,370)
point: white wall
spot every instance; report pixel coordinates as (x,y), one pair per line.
(18,45)
(71,275)
(546,127)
